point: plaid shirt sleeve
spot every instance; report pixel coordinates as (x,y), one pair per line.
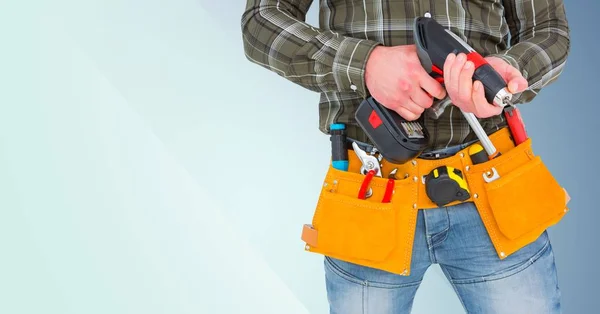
(276,37)
(539,42)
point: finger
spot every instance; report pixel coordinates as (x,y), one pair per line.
(411,106)
(515,80)
(421,98)
(431,86)
(450,59)
(509,72)
(483,108)
(465,83)
(517,84)
(407,114)
(455,73)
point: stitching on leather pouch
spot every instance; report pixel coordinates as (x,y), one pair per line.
(515,173)
(486,221)
(317,214)
(491,230)
(484,213)
(374,182)
(326,194)
(489,227)
(412,222)
(408,242)
(508,158)
(523,168)
(367,205)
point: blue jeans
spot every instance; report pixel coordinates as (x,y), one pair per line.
(455,238)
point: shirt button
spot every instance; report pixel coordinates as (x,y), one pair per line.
(353,87)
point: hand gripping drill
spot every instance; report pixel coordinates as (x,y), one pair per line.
(434,43)
(398,140)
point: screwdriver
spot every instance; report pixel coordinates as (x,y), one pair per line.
(339,153)
(477,154)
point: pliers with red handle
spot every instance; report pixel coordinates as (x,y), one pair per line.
(371,168)
(389,188)
(365,192)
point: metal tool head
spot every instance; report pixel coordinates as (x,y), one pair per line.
(438,108)
(369,162)
(392,174)
(503,98)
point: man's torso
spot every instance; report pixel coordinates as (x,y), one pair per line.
(480,23)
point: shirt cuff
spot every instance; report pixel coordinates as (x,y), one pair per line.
(349,64)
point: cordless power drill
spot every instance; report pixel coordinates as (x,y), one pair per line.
(399,140)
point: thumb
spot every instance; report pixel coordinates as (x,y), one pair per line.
(517,84)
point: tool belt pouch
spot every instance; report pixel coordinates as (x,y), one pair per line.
(515,194)
(517,197)
(362,231)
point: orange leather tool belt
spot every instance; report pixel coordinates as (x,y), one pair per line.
(521,202)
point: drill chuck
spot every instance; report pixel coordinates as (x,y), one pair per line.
(495,88)
(503,98)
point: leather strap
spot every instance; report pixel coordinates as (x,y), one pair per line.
(426,155)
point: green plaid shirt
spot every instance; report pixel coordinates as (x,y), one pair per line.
(532,35)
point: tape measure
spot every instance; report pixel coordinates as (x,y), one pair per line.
(445,185)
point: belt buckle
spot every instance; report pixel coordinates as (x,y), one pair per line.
(433,156)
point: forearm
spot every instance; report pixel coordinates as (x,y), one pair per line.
(540,42)
(276,37)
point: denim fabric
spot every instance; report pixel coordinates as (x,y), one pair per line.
(455,238)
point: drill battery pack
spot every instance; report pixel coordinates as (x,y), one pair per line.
(396,139)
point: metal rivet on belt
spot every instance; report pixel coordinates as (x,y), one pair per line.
(462,155)
(475,195)
(467,168)
(325,184)
(414,162)
(415,206)
(502,254)
(406,176)
(415,179)
(307,247)
(335,182)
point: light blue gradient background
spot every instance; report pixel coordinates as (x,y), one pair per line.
(147,167)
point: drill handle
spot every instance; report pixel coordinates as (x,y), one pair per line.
(434,43)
